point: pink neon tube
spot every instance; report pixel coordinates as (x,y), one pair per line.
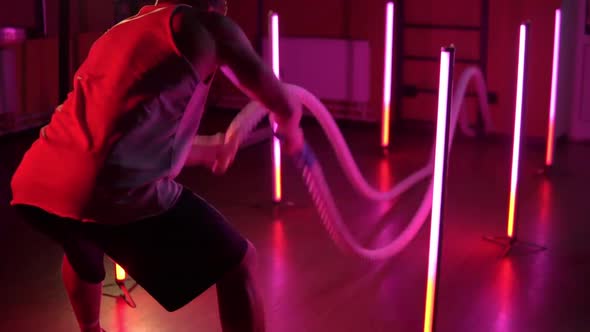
(517,128)
(554,72)
(437,191)
(276,146)
(387,75)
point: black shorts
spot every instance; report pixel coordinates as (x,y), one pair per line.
(175,256)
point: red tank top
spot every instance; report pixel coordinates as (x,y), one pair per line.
(125,67)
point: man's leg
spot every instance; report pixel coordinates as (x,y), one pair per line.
(82,266)
(85,298)
(240,305)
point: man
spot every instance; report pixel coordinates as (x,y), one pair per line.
(100,178)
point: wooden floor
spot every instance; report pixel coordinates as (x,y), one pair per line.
(309,285)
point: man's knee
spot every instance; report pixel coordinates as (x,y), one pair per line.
(251,256)
(87,264)
(246,265)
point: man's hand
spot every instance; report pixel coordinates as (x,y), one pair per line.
(289,130)
(212,152)
(225,156)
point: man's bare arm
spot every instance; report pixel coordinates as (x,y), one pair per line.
(235,53)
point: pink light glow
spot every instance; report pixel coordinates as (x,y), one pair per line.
(517,128)
(545,200)
(276,145)
(385,175)
(554,71)
(505,283)
(122,321)
(437,189)
(387,74)
(279,243)
(385,180)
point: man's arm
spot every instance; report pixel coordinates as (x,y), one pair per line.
(209,38)
(235,53)
(212,33)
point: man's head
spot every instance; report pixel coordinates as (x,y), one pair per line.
(219,6)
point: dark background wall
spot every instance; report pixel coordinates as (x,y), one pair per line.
(356,19)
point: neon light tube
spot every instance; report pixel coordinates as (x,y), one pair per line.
(517,128)
(438,182)
(276,145)
(552,103)
(120,274)
(387,74)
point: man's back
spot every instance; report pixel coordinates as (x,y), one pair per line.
(118,130)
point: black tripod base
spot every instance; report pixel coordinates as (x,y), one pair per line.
(514,246)
(125,293)
(275,208)
(273,205)
(546,170)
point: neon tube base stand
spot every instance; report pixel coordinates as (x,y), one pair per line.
(275,208)
(512,245)
(510,242)
(550,171)
(125,293)
(546,170)
(274,205)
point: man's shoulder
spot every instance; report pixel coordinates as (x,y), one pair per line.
(191,19)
